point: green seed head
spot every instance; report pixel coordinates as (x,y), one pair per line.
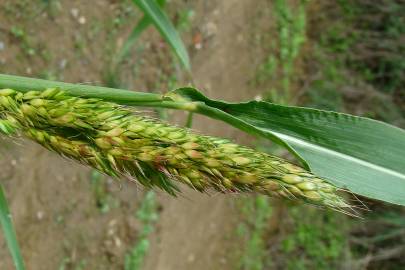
(119,143)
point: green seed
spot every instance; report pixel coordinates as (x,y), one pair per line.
(116,152)
(246,179)
(65,119)
(103,143)
(296,191)
(227,183)
(4,101)
(193,174)
(49,93)
(136,127)
(27,109)
(7,92)
(240,161)
(115,132)
(292,179)
(190,145)
(272,186)
(105,115)
(37,102)
(313,195)
(58,112)
(307,186)
(193,154)
(31,95)
(145,157)
(175,135)
(212,163)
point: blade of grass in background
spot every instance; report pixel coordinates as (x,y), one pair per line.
(9,232)
(153,11)
(136,32)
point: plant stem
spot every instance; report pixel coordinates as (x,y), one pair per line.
(25,84)
(189,121)
(120,96)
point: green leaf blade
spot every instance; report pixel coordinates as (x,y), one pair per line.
(366,179)
(153,11)
(362,155)
(9,232)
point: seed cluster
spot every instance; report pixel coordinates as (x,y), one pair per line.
(118,142)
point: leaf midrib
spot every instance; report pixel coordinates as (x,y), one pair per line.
(339,154)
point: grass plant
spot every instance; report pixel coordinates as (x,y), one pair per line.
(119,143)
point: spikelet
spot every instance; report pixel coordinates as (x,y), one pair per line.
(117,142)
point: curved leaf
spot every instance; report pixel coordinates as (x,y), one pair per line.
(362,155)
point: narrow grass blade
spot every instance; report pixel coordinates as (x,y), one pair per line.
(9,232)
(136,32)
(166,28)
(139,28)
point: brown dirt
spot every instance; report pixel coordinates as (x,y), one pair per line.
(52,200)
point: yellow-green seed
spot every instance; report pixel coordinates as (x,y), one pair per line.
(193,174)
(272,185)
(193,154)
(103,143)
(145,157)
(292,179)
(49,93)
(136,127)
(116,152)
(190,145)
(175,135)
(313,195)
(37,102)
(27,109)
(307,186)
(246,178)
(65,119)
(115,132)
(296,191)
(7,92)
(241,160)
(212,163)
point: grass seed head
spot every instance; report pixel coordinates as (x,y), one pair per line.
(112,139)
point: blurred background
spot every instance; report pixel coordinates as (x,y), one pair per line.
(345,55)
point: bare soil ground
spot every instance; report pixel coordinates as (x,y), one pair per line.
(52,200)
